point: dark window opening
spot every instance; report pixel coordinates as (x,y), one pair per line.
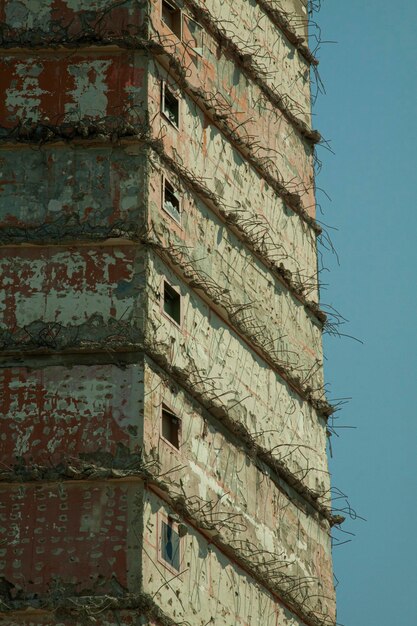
(170,545)
(170,106)
(172,303)
(171,201)
(171,15)
(170,427)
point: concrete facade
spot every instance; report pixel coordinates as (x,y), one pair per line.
(164,421)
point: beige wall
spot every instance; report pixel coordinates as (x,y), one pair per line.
(265,404)
(250,508)
(211,586)
(288,332)
(285,69)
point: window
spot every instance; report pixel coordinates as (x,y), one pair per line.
(195,36)
(171,15)
(170,544)
(171,200)
(172,303)
(170,427)
(170,105)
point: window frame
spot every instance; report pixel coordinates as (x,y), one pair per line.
(175,8)
(166,180)
(165,407)
(162,301)
(165,86)
(164,518)
(196,50)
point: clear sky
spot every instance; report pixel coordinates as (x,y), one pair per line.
(369,116)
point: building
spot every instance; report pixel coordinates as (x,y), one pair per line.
(164,419)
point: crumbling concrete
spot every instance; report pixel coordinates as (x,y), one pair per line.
(164,420)
(58,413)
(279,62)
(63,191)
(237,374)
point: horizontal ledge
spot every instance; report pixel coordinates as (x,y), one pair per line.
(73,605)
(209,530)
(239,142)
(280,19)
(245,61)
(209,403)
(139,41)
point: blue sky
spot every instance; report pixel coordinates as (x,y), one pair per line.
(369,116)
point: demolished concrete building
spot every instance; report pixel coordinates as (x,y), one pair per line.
(163,442)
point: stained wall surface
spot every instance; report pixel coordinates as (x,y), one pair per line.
(73,537)
(58,413)
(160,369)
(71,191)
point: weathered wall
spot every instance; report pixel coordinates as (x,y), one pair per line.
(280,65)
(71,191)
(250,204)
(84,251)
(231,97)
(58,414)
(292,336)
(70,538)
(61,88)
(62,299)
(237,182)
(107,618)
(70,19)
(210,587)
(266,405)
(249,507)
(295,13)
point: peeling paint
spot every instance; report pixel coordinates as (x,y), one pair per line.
(65,287)
(70,191)
(84,250)
(28,13)
(57,88)
(67,19)
(82,525)
(75,410)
